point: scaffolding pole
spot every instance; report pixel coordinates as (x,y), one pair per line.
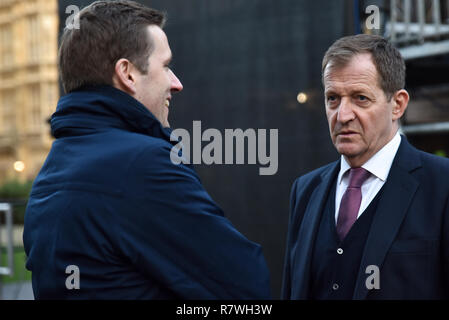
(9,269)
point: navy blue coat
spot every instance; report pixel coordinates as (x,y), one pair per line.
(409,236)
(109,200)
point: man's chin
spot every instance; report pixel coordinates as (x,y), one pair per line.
(348,150)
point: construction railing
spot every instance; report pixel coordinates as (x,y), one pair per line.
(8,269)
(420,27)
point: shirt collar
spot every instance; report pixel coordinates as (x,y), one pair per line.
(379,165)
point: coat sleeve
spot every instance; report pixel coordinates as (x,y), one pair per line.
(286,281)
(176,235)
(445,246)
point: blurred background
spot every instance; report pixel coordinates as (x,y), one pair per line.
(244,64)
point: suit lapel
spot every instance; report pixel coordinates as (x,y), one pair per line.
(398,193)
(308,228)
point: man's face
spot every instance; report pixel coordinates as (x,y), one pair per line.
(360,117)
(154,89)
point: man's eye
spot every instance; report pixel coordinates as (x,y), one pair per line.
(331,98)
(362,98)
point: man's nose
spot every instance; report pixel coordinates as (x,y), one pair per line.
(176,85)
(345,111)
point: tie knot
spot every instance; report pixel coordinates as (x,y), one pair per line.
(357,176)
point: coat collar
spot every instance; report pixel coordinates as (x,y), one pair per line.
(399,190)
(303,256)
(93,108)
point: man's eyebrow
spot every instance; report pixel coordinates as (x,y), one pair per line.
(364,91)
(357,90)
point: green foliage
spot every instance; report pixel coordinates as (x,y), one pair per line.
(20,272)
(440,153)
(15,189)
(17,193)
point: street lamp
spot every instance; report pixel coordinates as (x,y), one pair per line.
(19,166)
(302,97)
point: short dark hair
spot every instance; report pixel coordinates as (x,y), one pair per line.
(108,31)
(387,59)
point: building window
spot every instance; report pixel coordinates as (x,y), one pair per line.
(6,46)
(8,118)
(36,117)
(33,38)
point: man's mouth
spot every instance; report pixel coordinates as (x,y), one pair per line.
(346,133)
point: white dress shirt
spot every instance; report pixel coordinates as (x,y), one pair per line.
(378,165)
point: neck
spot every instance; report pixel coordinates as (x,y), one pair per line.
(360,160)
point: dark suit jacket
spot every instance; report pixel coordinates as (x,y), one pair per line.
(409,235)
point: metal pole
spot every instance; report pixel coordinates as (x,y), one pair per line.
(407,13)
(9,270)
(9,234)
(393,18)
(447,13)
(436,16)
(421,19)
(1,275)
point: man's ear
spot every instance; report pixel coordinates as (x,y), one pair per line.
(400,102)
(124,77)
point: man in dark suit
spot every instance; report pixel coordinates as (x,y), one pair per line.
(374,224)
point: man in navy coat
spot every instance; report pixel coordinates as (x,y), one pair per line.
(110,216)
(374,224)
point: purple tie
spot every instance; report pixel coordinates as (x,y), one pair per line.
(350,202)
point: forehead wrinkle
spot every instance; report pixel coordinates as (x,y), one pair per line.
(340,80)
(344,87)
(359,69)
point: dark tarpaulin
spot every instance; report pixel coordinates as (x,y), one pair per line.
(242,64)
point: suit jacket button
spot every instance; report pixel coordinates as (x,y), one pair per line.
(340,251)
(335,286)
